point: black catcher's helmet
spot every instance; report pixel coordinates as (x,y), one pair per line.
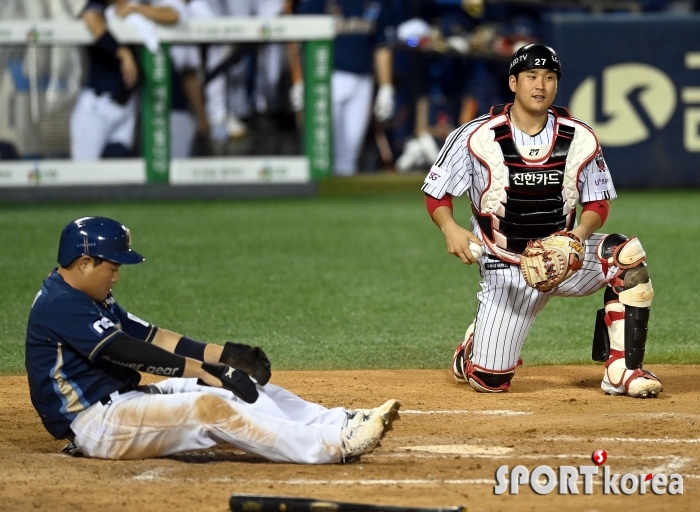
(535,56)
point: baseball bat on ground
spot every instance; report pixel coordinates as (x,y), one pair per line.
(263,503)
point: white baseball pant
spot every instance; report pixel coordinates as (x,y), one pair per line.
(508,306)
(269,59)
(351,95)
(279,426)
(215,89)
(96,121)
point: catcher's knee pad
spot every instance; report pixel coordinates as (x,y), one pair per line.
(622,324)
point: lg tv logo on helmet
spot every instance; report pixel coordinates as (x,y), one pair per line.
(630,93)
(566,482)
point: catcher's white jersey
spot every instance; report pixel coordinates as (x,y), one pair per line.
(456,171)
(507,306)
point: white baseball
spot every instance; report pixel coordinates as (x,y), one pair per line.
(476,249)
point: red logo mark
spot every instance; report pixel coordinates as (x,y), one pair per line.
(599,457)
(648,477)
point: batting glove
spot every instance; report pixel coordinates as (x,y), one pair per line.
(384,103)
(296,96)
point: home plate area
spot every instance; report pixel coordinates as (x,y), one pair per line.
(528,449)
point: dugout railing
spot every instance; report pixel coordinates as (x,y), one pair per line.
(156,166)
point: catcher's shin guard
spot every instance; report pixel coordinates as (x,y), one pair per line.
(483,381)
(620,333)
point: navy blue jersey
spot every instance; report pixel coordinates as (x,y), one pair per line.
(104,69)
(361,25)
(65,333)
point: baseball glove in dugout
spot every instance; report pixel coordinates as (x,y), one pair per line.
(549,262)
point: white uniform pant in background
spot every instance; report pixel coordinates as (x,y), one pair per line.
(215,89)
(183,129)
(352,106)
(97,120)
(508,306)
(269,60)
(279,426)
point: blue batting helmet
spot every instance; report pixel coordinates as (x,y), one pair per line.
(99,237)
(532,56)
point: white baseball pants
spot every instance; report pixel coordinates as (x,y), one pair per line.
(215,89)
(96,121)
(508,306)
(279,426)
(351,95)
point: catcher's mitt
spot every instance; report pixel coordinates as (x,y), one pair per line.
(548,262)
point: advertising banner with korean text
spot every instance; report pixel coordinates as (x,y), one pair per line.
(635,79)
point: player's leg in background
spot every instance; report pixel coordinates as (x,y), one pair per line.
(269,59)
(183,129)
(183,125)
(341,89)
(123,126)
(215,98)
(88,129)
(352,100)
(267,77)
(239,106)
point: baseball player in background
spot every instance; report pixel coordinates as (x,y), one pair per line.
(525,167)
(105,111)
(83,352)
(268,60)
(361,51)
(187,114)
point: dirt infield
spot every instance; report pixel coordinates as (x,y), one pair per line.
(444,451)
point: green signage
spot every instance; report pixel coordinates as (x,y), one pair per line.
(155,117)
(318,144)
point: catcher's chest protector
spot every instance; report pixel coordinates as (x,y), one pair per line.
(533,190)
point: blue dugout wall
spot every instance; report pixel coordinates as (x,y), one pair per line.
(636,80)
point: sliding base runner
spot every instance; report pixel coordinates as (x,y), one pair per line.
(263,503)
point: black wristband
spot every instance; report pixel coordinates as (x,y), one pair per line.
(187,347)
(107,43)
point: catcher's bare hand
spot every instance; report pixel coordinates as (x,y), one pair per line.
(457,240)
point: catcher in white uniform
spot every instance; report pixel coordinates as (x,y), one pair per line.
(84,355)
(526,166)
